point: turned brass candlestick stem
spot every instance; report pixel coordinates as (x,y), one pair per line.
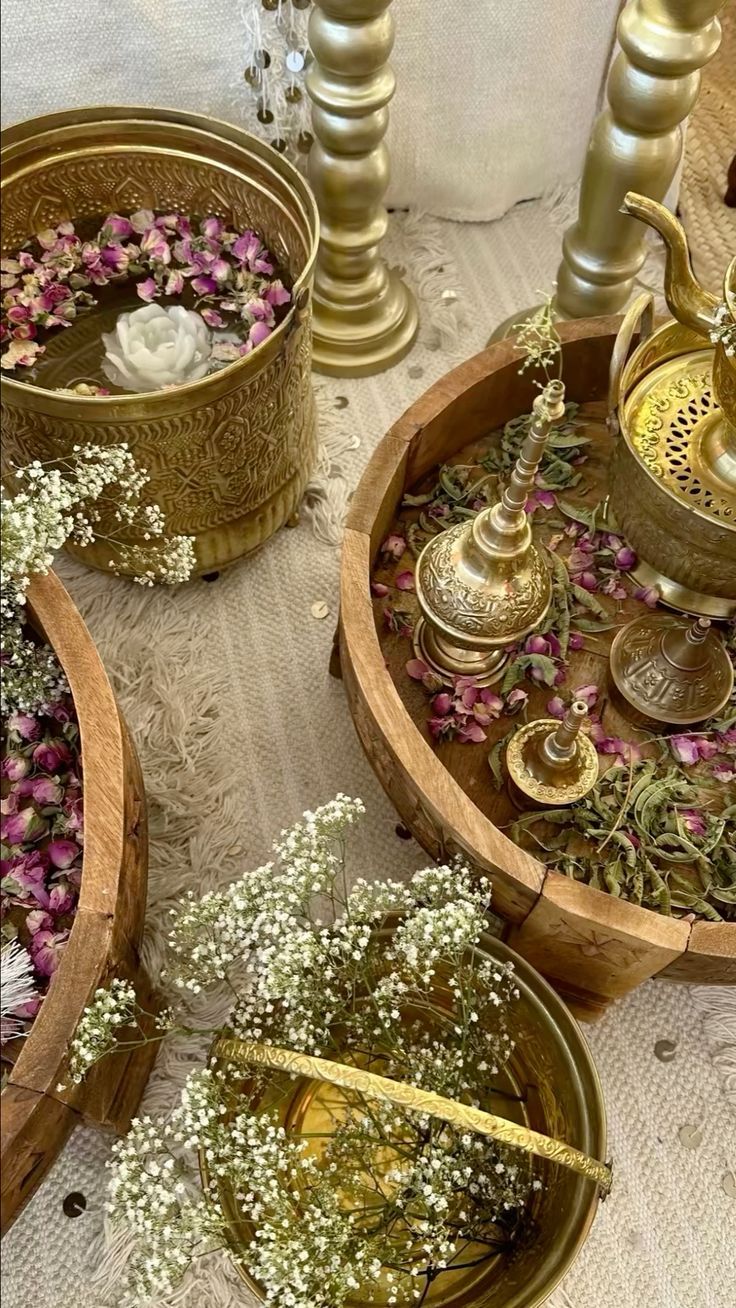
(365,317)
(482,585)
(552,764)
(635,145)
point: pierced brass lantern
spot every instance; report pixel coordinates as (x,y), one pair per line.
(482,585)
(673,474)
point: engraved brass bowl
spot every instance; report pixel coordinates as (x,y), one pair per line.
(552,1071)
(229,456)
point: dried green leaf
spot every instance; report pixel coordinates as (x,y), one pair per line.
(416,501)
(494,760)
(589,601)
(544,664)
(514,674)
(415,539)
(577,513)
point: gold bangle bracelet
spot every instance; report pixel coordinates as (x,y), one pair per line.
(463,1117)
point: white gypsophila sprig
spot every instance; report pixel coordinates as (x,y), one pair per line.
(395,977)
(155,1194)
(538,341)
(99,1025)
(61,501)
(723,331)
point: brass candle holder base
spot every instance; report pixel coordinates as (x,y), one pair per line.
(552,764)
(666,670)
(369,333)
(448,660)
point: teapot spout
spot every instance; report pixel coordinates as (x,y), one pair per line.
(687,300)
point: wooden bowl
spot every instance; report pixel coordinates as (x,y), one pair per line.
(105,936)
(592,946)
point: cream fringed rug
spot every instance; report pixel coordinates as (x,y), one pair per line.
(225,687)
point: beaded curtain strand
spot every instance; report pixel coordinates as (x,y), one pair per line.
(272,100)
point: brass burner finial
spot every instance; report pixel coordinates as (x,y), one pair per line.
(482,585)
(551,764)
(671,670)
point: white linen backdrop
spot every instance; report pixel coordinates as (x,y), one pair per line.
(494,100)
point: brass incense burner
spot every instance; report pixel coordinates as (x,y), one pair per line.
(551,764)
(482,585)
(673,474)
(667,669)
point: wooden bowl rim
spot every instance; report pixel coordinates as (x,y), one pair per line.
(103,770)
(391,458)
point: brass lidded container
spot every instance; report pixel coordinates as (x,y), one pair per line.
(551,764)
(482,585)
(551,1073)
(673,473)
(230,455)
(671,670)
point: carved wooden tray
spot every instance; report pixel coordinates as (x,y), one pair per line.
(106,934)
(592,946)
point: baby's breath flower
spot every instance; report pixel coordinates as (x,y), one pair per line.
(538,340)
(391,1197)
(98,1026)
(723,331)
(53,504)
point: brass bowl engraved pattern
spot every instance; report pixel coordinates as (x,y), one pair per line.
(477,609)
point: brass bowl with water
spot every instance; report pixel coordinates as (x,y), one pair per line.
(550,1085)
(230,455)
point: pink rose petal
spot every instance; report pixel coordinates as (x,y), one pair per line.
(471,732)
(442,704)
(417,669)
(648,595)
(685,749)
(393,547)
(405,581)
(147,290)
(589,694)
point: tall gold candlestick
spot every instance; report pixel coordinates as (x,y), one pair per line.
(635,145)
(365,318)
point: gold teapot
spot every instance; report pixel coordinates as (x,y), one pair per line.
(673,413)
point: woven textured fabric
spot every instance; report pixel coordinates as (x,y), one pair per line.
(711,145)
(239,727)
(494,100)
